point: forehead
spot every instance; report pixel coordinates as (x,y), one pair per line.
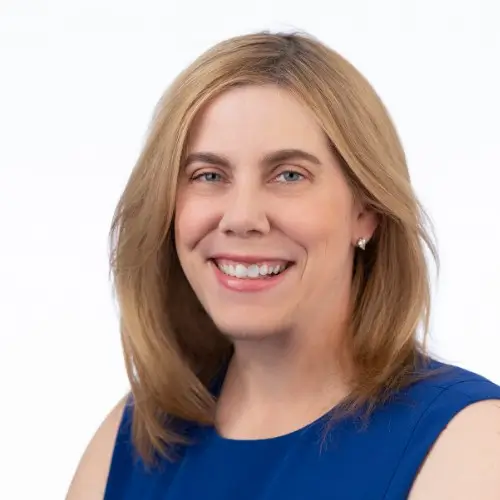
(256,118)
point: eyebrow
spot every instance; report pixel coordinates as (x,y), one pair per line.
(269,159)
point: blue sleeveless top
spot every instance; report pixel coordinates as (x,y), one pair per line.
(375,461)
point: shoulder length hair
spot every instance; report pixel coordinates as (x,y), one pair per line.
(172,349)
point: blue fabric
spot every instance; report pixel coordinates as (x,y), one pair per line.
(377,461)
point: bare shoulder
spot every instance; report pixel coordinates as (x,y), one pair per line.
(465,459)
(89,481)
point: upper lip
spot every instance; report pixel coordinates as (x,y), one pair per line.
(246,258)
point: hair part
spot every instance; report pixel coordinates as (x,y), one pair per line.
(173,351)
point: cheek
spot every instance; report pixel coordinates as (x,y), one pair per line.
(193,220)
(320,226)
(185,229)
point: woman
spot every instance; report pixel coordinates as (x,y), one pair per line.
(268,257)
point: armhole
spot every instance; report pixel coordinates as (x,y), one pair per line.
(441,410)
(122,458)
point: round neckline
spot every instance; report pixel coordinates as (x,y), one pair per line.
(215,388)
(213,433)
(282,438)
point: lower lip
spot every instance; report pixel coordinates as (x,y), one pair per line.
(248,284)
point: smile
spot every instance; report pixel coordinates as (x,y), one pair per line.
(243,270)
(250,275)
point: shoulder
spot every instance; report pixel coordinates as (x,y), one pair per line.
(445,390)
(89,481)
(443,416)
(465,458)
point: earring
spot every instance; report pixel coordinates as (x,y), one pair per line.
(361,243)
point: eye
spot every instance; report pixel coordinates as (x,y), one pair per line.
(289,176)
(207,177)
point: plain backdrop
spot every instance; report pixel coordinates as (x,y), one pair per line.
(78,83)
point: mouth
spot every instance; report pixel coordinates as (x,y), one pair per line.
(265,269)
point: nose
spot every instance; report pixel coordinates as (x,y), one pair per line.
(244,213)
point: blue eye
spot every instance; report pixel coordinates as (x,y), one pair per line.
(289,176)
(208,177)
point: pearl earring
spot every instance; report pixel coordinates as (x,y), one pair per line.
(361,243)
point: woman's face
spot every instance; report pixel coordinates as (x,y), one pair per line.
(265,221)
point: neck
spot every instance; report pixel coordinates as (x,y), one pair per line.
(274,386)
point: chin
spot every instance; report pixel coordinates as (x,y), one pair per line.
(252,327)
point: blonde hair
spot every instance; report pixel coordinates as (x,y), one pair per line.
(172,349)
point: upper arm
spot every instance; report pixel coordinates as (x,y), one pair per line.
(464,462)
(89,481)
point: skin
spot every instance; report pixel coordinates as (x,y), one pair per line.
(286,372)
(465,460)
(89,481)
(293,209)
(235,198)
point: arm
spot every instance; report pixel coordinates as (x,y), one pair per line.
(89,481)
(465,460)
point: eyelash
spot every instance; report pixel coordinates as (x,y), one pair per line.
(291,172)
(199,177)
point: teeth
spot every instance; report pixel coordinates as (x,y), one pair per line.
(250,271)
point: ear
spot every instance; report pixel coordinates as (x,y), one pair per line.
(366,222)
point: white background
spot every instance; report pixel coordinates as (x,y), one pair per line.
(78,83)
